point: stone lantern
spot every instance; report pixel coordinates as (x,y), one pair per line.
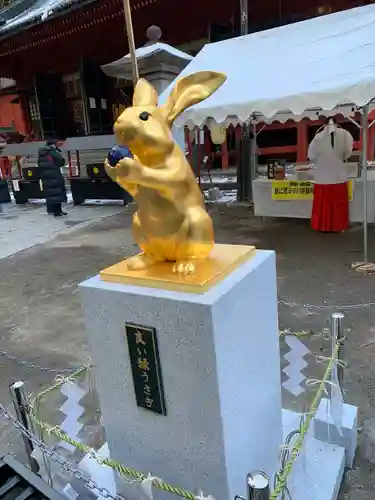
(158,62)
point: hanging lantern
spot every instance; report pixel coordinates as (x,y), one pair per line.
(218,133)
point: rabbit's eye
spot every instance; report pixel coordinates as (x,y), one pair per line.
(144,116)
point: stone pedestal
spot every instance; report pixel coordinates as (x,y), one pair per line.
(326,431)
(220,366)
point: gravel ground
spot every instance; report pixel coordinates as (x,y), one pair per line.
(41,319)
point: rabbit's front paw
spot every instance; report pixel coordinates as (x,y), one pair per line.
(127,168)
(112,172)
(184,267)
(140,262)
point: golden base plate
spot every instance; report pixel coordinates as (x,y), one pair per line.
(222,261)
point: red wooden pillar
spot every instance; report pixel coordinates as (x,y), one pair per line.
(199,154)
(188,144)
(224,155)
(370,138)
(371,141)
(207,148)
(302,141)
(371,144)
(25,116)
(238,138)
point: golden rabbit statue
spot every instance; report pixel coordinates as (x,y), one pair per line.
(171,223)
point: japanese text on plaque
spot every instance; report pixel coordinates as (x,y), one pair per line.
(145,364)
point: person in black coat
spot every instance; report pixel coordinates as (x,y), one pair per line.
(50,162)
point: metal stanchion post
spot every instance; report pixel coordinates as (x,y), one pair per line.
(337,333)
(20,403)
(258,486)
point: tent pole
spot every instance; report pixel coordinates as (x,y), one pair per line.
(244,166)
(255,152)
(364,126)
(253,164)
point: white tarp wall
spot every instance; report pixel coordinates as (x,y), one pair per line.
(320,63)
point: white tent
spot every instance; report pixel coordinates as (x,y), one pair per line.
(320,63)
(323,65)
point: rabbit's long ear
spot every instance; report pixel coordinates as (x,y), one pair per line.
(144,94)
(191,90)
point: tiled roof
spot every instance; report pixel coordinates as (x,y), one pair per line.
(20,13)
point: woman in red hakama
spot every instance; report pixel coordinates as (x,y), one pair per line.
(328,151)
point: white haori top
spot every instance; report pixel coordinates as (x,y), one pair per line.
(328,160)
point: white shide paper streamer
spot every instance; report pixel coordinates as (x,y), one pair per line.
(293,370)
